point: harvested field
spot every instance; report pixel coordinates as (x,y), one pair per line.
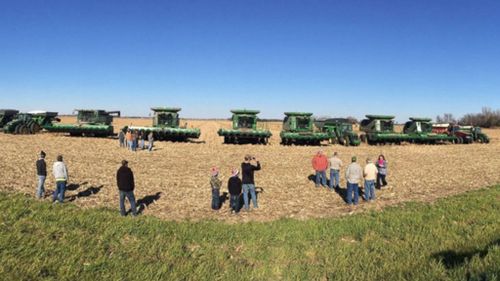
(174,179)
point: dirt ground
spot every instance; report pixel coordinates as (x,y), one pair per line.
(173,181)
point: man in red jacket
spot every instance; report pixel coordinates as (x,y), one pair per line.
(320,165)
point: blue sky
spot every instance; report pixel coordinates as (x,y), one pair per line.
(333,58)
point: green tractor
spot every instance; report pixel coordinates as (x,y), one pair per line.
(245,129)
(29,123)
(340,131)
(90,123)
(298,128)
(166,126)
(379,129)
(479,136)
(6,115)
(419,130)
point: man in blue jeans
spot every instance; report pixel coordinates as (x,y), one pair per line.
(41,171)
(335,165)
(126,186)
(247,170)
(60,172)
(354,175)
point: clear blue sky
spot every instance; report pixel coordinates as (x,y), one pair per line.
(336,58)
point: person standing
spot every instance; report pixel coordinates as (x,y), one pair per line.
(382,172)
(151,140)
(129,139)
(121,138)
(60,172)
(370,172)
(248,182)
(126,186)
(41,171)
(320,164)
(215,184)
(234,188)
(335,165)
(135,140)
(141,140)
(353,174)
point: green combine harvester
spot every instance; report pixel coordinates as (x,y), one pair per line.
(298,128)
(245,129)
(90,123)
(166,126)
(340,131)
(419,130)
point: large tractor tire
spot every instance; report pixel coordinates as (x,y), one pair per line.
(18,128)
(34,128)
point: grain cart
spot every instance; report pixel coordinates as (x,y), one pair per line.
(379,129)
(419,130)
(90,123)
(340,131)
(462,134)
(30,123)
(245,129)
(6,115)
(166,126)
(298,128)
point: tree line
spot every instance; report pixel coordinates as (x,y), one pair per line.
(487,118)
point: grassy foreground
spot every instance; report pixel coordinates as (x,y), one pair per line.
(454,239)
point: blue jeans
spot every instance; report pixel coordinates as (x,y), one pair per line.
(129,145)
(334,178)
(142,144)
(59,192)
(352,187)
(40,191)
(215,199)
(249,188)
(131,199)
(234,202)
(370,190)
(122,143)
(320,176)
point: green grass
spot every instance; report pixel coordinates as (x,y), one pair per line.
(456,238)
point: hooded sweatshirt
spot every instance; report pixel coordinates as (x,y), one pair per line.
(60,171)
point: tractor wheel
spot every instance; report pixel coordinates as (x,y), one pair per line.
(460,140)
(24,130)
(362,138)
(17,130)
(346,141)
(35,128)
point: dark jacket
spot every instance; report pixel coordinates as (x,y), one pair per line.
(247,171)
(125,179)
(234,186)
(41,167)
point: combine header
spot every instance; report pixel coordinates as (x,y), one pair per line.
(166,126)
(90,123)
(298,128)
(245,129)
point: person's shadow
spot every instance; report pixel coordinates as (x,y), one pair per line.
(86,193)
(75,186)
(144,202)
(223,198)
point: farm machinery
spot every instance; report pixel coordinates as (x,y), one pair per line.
(339,130)
(244,129)
(90,123)
(298,128)
(6,115)
(463,134)
(419,130)
(166,126)
(26,123)
(379,129)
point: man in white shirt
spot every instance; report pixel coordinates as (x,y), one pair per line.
(370,172)
(335,165)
